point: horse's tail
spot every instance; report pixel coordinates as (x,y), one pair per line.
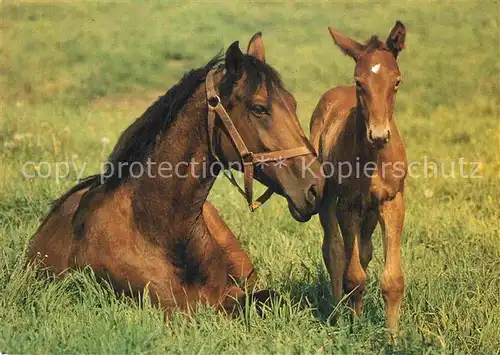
(89,181)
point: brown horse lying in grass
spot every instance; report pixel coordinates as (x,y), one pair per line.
(353,131)
(156,230)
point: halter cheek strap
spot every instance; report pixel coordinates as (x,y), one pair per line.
(215,108)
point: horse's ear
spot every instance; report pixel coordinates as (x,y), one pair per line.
(233,58)
(348,46)
(256,47)
(396,40)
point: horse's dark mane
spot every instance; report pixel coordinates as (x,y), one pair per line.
(137,142)
(139,139)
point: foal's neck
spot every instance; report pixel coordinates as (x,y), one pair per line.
(169,201)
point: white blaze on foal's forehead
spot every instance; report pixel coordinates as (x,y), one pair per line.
(375,68)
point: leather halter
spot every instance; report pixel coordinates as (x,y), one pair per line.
(248,158)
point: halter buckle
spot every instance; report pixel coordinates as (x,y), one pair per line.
(214,101)
(248,158)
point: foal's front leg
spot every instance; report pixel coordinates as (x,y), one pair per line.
(392,279)
(333,246)
(349,217)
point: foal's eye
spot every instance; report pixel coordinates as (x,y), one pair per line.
(396,86)
(260,110)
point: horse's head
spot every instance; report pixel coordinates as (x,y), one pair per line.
(377,78)
(264,115)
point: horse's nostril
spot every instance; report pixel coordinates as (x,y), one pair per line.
(388,134)
(312,194)
(370,135)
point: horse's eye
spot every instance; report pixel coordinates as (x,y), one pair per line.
(260,110)
(396,86)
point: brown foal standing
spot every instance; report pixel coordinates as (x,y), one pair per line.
(146,222)
(364,159)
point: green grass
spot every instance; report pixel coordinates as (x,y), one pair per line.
(75,73)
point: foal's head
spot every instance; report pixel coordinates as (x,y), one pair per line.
(377,78)
(264,113)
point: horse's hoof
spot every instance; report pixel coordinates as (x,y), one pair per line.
(265,298)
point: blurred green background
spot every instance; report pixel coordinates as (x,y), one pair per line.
(74,75)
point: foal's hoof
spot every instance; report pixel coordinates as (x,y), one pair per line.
(393,337)
(265,298)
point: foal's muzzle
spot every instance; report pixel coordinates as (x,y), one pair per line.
(378,137)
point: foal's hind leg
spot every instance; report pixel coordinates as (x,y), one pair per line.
(363,247)
(392,279)
(369,224)
(240,267)
(333,246)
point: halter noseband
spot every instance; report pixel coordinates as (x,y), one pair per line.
(248,158)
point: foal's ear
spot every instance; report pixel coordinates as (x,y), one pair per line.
(396,40)
(256,47)
(233,58)
(348,46)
